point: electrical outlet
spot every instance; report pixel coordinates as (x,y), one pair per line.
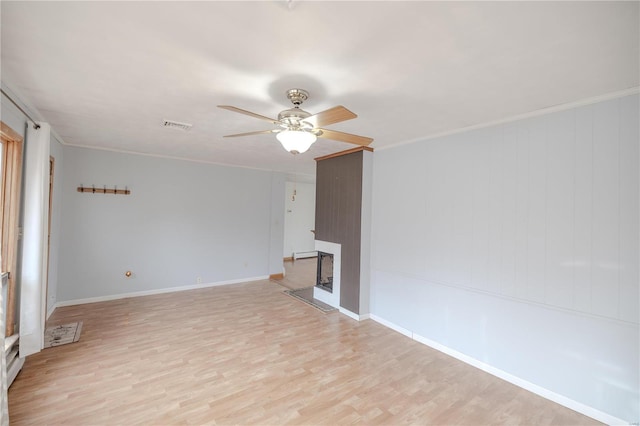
(199,280)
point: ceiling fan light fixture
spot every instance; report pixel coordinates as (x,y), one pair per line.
(299,129)
(296,141)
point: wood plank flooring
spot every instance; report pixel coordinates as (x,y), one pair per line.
(249,354)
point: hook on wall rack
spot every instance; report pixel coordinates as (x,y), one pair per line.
(104,190)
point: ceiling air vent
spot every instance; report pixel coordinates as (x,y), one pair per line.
(176,125)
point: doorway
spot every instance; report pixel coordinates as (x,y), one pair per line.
(52,162)
(300,262)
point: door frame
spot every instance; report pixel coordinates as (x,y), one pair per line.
(52,164)
(10,200)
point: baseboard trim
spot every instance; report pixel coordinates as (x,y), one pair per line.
(14,370)
(515,380)
(53,309)
(392,326)
(155,291)
(276,276)
(353,315)
(305,254)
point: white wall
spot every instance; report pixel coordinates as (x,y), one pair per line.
(183,220)
(365,234)
(276,265)
(517,246)
(300,218)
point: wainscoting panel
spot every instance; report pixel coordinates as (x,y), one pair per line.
(517,245)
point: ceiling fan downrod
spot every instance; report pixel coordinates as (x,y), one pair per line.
(292,118)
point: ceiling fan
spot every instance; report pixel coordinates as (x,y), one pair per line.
(298,129)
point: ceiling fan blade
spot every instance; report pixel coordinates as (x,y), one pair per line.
(330,116)
(245,112)
(259,132)
(345,137)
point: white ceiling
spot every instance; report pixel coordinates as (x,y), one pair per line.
(106,74)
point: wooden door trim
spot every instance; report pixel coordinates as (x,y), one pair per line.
(52,168)
(12,147)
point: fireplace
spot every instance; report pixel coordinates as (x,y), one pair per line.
(328,267)
(324,277)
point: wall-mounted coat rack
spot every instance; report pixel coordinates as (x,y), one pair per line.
(104,190)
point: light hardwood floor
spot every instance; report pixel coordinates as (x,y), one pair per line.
(249,354)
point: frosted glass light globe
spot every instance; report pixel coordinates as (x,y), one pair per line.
(296,141)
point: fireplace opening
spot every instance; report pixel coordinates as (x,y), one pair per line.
(324,278)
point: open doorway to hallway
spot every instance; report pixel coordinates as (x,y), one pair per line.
(299,254)
(300,273)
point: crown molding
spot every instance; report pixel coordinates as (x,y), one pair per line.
(536,113)
(171,157)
